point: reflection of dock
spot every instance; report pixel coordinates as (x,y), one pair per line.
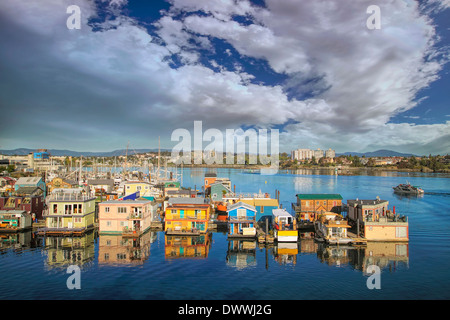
(356,241)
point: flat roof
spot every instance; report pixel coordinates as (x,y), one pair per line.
(318,196)
(125,202)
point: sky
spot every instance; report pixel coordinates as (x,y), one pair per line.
(136,71)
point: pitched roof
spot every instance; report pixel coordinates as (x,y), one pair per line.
(28,180)
(281,212)
(241,204)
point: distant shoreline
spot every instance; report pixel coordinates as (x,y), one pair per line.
(341,170)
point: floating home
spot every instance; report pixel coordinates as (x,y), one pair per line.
(126,217)
(309,206)
(376,222)
(69,214)
(331,229)
(284,226)
(263,204)
(188,216)
(241,220)
(14,221)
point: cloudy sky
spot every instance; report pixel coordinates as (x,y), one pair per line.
(138,70)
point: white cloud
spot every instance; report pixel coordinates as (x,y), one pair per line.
(123,78)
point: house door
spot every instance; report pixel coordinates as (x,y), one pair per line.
(136,225)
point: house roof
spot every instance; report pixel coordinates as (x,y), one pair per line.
(281,212)
(183,201)
(319,196)
(240,205)
(109,182)
(29,191)
(28,180)
(366,202)
(265,202)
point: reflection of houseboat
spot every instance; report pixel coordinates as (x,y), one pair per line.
(118,250)
(241,253)
(178,246)
(408,189)
(62,251)
(241,220)
(330,228)
(284,226)
(286,253)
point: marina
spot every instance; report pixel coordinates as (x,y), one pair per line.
(143,237)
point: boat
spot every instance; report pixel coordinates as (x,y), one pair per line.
(284,226)
(408,189)
(332,230)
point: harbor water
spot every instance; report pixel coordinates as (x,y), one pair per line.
(211,267)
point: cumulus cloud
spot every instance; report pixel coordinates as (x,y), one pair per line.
(113,80)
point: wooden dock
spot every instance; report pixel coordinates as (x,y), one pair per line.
(356,241)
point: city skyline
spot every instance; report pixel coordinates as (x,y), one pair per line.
(314,70)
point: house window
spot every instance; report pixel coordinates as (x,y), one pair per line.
(138,188)
(307,203)
(400,232)
(107,209)
(173,211)
(108,223)
(55,208)
(68,209)
(241,213)
(262,209)
(122,209)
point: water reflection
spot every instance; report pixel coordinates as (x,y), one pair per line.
(18,242)
(118,250)
(285,253)
(241,253)
(65,251)
(178,246)
(386,255)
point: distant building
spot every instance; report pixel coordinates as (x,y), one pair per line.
(308,154)
(330,153)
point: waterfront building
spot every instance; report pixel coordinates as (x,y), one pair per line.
(69,214)
(187,216)
(14,220)
(33,204)
(217,190)
(318,154)
(309,206)
(61,183)
(7,184)
(101,187)
(36,182)
(376,221)
(241,220)
(307,154)
(126,217)
(262,203)
(145,189)
(330,154)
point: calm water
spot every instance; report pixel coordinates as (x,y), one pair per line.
(214,268)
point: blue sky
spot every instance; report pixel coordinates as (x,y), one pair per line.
(138,70)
